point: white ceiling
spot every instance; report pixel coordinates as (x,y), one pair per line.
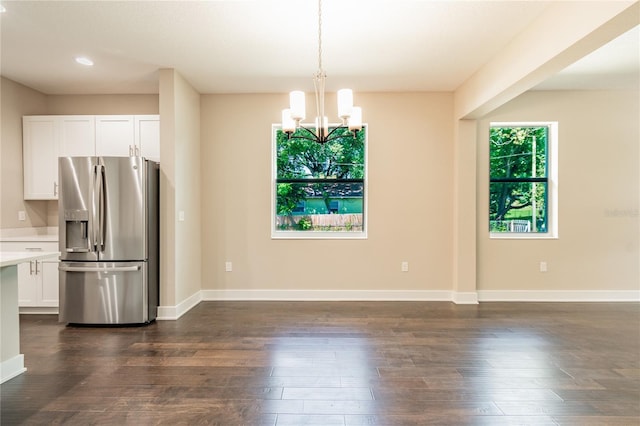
(245,46)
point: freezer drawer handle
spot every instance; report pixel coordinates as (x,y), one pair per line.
(92,269)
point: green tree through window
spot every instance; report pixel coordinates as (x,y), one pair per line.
(320,187)
(519,179)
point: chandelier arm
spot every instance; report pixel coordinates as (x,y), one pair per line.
(308,130)
(333,130)
(331,136)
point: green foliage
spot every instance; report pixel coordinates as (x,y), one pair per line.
(342,158)
(304,224)
(288,197)
(518,152)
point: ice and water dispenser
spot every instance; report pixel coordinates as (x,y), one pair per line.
(77,230)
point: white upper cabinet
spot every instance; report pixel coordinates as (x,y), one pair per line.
(40,154)
(115,136)
(77,135)
(47,137)
(148,136)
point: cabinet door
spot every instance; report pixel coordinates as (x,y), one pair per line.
(148,136)
(37,280)
(49,276)
(115,136)
(28,284)
(77,136)
(40,157)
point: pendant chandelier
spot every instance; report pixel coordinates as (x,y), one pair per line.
(350,115)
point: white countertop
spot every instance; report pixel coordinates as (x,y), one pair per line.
(9,258)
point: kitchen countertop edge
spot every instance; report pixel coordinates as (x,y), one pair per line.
(10,258)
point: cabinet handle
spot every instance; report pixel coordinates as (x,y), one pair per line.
(31,267)
(130,151)
(33,249)
(55,189)
(137,151)
(37,262)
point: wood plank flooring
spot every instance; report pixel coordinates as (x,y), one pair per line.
(337,363)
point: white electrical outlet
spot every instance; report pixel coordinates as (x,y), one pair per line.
(22,215)
(181,216)
(404,266)
(543,266)
(228,266)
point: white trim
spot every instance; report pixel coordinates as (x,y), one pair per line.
(465,298)
(461,298)
(11,368)
(559,295)
(522,236)
(328,295)
(172,313)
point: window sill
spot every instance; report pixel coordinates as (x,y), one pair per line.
(521,236)
(317,235)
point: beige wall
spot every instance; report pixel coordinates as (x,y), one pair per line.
(599,180)
(410,158)
(19,100)
(180,253)
(102,104)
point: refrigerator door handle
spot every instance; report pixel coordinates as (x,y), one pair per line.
(99,223)
(98,269)
(94,209)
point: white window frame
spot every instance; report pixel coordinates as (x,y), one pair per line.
(319,235)
(552,187)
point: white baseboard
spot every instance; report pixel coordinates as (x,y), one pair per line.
(558,296)
(460,298)
(11,368)
(465,298)
(175,312)
(168,313)
(328,295)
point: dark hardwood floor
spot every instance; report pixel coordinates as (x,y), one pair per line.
(337,363)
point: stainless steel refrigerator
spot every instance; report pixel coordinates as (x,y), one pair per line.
(109,240)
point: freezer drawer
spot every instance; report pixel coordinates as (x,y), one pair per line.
(104,293)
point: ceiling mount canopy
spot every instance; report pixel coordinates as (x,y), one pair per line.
(351,116)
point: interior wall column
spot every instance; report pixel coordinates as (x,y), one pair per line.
(167,190)
(464,212)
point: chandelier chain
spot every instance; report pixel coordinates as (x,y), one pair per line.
(320,35)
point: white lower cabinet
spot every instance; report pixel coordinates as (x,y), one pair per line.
(38,279)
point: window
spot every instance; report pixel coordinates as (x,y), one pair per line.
(319,190)
(522,180)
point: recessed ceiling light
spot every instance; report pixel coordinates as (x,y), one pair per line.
(83,60)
